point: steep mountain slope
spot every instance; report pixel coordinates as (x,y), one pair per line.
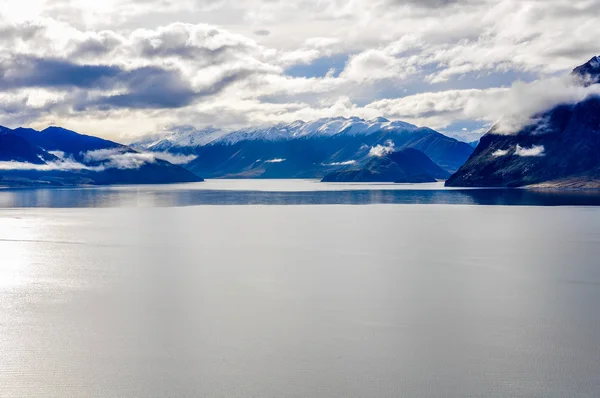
(406,166)
(16,148)
(589,72)
(305,150)
(62,157)
(561,149)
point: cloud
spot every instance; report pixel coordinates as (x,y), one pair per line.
(59,154)
(500,152)
(150,87)
(98,161)
(382,150)
(28,71)
(439,109)
(202,43)
(378,65)
(118,158)
(145,87)
(429,3)
(129,68)
(61,165)
(536,150)
(523,103)
(346,163)
(510,109)
(277,160)
(174,158)
(167,68)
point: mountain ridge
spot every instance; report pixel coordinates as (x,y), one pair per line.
(560,149)
(57,156)
(305,149)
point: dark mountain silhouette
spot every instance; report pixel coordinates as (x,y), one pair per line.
(56,156)
(561,149)
(406,166)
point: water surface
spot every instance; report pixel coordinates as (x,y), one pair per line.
(297,301)
(286,192)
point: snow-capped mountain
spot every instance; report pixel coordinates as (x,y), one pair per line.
(189,137)
(303,149)
(185,136)
(327,127)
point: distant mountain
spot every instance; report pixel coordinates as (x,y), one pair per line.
(589,72)
(560,149)
(56,156)
(303,149)
(16,148)
(406,166)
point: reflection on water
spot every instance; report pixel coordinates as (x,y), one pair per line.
(196,194)
(300,301)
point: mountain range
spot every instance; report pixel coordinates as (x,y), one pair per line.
(56,156)
(304,149)
(561,148)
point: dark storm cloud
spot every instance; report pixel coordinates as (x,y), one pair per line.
(144,88)
(27,71)
(150,87)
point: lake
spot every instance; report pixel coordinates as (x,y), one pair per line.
(289,291)
(286,192)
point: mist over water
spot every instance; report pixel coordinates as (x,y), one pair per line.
(298,301)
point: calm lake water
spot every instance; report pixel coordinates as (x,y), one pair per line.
(287,192)
(130,295)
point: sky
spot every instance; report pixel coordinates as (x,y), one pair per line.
(122,69)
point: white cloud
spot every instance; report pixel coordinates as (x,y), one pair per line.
(536,150)
(119,158)
(98,160)
(519,106)
(62,165)
(500,152)
(374,65)
(511,108)
(277,160)
(58,154)
(382,150)
(234,78)
(174,158)
(346,163)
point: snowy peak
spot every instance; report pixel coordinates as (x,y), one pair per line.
(189,137)
(185,136)
(326,127)
(589,72)
(379,120)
